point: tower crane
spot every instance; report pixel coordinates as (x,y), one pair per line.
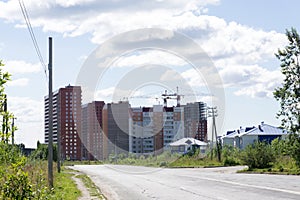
(173,96)
(176,96)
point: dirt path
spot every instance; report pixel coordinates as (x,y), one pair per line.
(85,194)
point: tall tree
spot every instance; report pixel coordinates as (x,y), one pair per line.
(4,113)
(289,93)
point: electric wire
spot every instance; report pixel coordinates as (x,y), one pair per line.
(32,35)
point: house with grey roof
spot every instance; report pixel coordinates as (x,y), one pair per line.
(185,145)
(263,132)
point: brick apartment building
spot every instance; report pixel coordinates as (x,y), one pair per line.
(91,130)
(116,128)
(195,121)
(66,121)
(96,130)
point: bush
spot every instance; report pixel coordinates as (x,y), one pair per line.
(259,155)
(293,147)
(230,156)
(17,185)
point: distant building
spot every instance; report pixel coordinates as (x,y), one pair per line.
(195,121)
(91,130)
(243,137)
(116,128)
(173,126)
(66,121)
(186,145)
(153,128)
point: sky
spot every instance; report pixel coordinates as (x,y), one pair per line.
(238,38)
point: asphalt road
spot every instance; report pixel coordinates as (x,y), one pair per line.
(131,182)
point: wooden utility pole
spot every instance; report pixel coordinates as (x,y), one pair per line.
(13,131)
(4,119)
(50,101)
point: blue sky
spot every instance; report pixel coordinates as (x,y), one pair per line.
(240,37)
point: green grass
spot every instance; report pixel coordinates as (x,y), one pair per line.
(194,161)
(283,165)
(167,159)
(151,161)
(86,162)
(92,188)
(64,187)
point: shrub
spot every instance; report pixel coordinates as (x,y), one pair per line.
(259,155)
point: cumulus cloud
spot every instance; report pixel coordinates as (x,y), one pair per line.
(102,18)
(238,51)
(29,115)
(21,67)
(27,110)
(252,80)
(22,82)
(153,57)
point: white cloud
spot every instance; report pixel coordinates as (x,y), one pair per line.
(242,44)
(102,18)
(194,78)
(30,115)
(21,67)
(18,82)
(104,93)
(252,80)
(26,109)
(237,50)
(152,57)
(170,75)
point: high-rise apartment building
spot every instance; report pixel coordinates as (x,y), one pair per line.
(91,130)
(153,128)
(195,121)
(116,128)
(173,127)
(66,121)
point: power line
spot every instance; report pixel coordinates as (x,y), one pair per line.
(33,38)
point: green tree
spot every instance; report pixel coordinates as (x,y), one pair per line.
(293,147)
(5,114)
(259,155)
(289,93)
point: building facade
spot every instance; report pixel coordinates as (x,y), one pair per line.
(66,121)
(116,128)
(241,137)
(195,121)
(154,128)
(91,130)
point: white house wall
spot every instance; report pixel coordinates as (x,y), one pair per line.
(248,140)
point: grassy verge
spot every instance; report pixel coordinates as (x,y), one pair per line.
(90,185)
(86,162)
(271,171)
(190,161)
(167,159)
(64,187)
